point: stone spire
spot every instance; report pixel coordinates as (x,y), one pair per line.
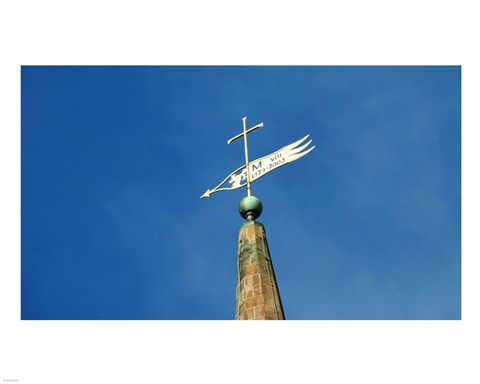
(258,297)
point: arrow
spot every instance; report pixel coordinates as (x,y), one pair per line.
(206,194)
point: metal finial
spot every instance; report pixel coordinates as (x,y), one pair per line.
(250,208)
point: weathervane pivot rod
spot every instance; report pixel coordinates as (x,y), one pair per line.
(245,141)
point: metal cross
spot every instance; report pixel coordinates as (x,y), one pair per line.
(245,140)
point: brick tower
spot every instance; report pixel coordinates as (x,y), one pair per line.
(257,293)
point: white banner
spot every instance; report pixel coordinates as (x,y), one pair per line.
(262,166)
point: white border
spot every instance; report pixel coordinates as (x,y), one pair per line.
(213,32)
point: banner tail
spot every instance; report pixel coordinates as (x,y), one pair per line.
(299,155)
(299,149)
(295,144)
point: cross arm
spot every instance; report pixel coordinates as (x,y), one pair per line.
(241,134)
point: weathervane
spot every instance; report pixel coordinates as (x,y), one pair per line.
(253,170)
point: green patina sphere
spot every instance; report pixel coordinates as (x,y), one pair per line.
(250,207)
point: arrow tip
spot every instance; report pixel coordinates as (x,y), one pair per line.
(206,194)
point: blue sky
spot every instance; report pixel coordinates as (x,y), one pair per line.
(114,160)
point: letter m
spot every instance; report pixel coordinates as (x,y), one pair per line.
(259,165)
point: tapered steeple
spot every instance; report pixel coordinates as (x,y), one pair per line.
(258,297)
